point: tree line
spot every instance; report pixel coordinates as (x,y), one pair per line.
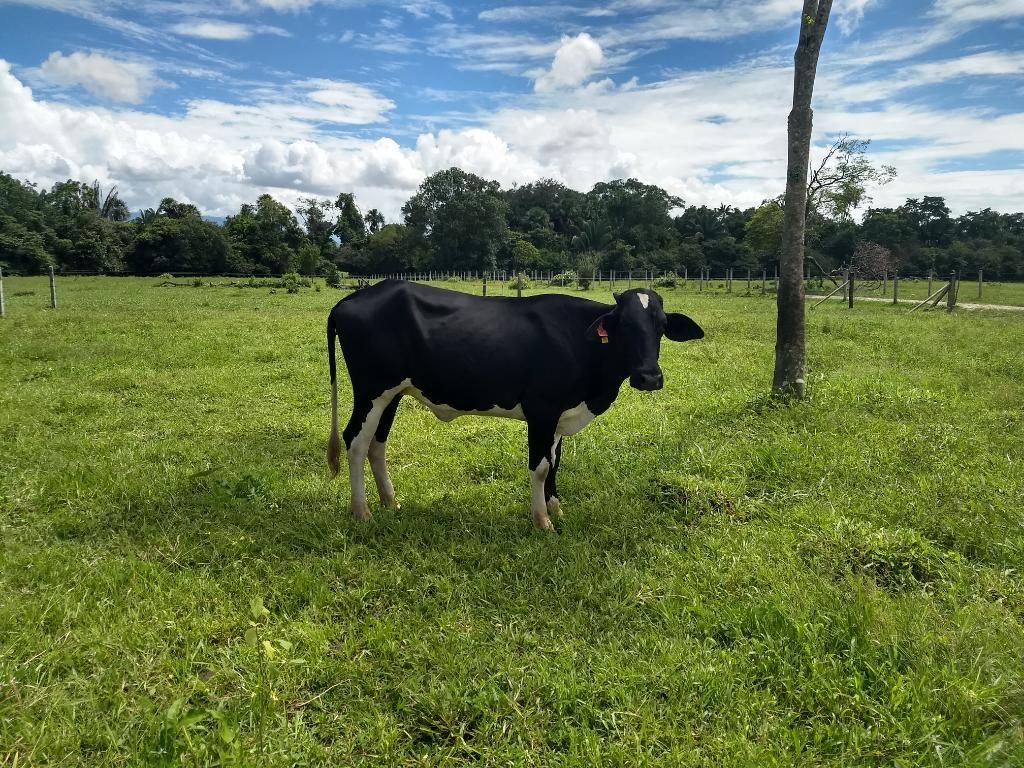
(457,221)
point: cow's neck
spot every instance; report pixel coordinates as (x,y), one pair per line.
(608,376)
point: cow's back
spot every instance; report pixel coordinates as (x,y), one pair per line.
(470,352)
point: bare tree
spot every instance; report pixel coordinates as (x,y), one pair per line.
(872,261)
(790,343)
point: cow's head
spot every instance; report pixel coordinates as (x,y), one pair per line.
(633,331)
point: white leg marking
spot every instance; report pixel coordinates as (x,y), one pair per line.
(359,449)
(554,506)
(379,465)
(554,448)
(538,505)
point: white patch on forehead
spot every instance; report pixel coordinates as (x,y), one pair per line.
(644,299)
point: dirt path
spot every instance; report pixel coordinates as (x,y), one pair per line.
(960,305)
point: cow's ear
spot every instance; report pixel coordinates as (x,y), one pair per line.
(616,296)
(602,328)
(682,328)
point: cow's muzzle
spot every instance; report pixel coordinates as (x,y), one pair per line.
(647,382)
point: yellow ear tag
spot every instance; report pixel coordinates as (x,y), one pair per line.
(602,332)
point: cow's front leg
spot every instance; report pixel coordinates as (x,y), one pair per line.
(541,437)
(554,505)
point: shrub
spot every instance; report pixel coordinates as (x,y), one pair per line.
(292,281)
(331,274)
(668,280)
(521,281)
(563,278)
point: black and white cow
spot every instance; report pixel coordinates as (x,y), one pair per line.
(553,361)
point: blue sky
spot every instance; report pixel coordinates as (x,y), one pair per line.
(216,104)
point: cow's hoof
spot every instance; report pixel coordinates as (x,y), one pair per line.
(542,522)
(390,502)
(554,507)
(361,513)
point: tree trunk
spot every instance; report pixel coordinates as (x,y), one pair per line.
(789,344)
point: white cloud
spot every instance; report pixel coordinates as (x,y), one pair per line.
(286,5)
(966,11)
(212,29)
(851,12)
(421,9)
(517,13)
(706,20)
(209,154)
(575,61)
(114,79)
(988,63)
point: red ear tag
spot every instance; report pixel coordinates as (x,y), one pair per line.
(602,332)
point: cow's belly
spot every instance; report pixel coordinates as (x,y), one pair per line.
(570,422)
(447,412)
(574,420)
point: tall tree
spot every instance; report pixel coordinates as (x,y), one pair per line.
(790,343)
(374,221)
(460,216)
(174,209)
(318,218)
(350,229)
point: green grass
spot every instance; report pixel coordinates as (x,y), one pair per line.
(735,583)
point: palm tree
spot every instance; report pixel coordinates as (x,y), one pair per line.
(112,208)
(374,220)
(594,235)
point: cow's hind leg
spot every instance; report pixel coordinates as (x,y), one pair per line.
(541,438)
(366,415)
(554,506)
(378,458)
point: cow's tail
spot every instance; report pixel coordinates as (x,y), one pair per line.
(334,442)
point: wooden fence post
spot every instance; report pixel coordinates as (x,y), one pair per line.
(929,282)
(748,282)
(764,281)
(485,283)
(895,287)
(951,293)
(3,307)
(53,290)
(980,283)
(686,275)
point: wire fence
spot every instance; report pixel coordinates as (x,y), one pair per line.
(894,288)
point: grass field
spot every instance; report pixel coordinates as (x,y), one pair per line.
(735,583)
